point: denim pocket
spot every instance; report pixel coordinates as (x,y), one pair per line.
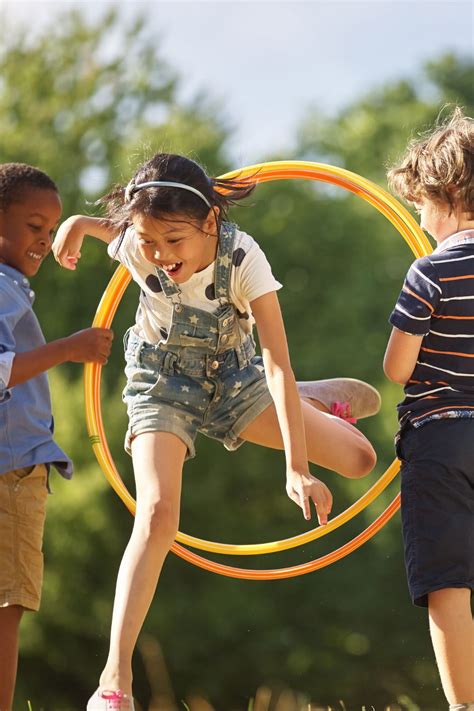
(403,442)
(398,446)
(132,347)
(157,388)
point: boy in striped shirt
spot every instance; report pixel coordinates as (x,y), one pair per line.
(431,353)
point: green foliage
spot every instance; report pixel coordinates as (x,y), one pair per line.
(103,99)
(88,103)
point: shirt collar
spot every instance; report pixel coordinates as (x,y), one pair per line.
(17,278)
(464,237)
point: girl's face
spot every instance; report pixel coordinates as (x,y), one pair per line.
(437,220)
(179,246)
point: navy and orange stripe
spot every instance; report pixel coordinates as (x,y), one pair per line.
(439,290)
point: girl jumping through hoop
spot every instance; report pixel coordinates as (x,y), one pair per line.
(191,367)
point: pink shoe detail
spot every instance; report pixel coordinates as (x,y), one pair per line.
(110,701)
(343,410)
(114,695)
(114,699)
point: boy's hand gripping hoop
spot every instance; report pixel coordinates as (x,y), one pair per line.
(260,173)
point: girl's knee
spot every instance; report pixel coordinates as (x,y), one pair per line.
(158,519)
(363,461)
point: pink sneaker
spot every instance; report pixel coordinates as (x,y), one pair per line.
(345,397)
(110,701)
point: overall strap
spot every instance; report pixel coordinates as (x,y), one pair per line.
(224,261)
(170,289)
(222,270)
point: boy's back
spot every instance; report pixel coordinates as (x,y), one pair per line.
(437,301)
(431,352)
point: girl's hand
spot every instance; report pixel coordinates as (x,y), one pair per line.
(68,242)
(302,488)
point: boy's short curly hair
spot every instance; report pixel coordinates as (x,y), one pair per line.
(17,178)
(439,166)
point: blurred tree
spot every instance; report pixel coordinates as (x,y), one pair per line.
(88,103)
(102,99)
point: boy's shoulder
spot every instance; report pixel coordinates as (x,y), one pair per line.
(457,248)
(14,288)
(425,266)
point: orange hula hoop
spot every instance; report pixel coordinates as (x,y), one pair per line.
(260,173)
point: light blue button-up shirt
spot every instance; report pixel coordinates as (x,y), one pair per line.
(26,421)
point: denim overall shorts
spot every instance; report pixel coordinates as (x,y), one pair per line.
(203,376)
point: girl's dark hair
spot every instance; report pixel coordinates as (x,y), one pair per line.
(17,178)
(163,201)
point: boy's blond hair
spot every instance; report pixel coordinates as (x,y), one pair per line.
(439,166)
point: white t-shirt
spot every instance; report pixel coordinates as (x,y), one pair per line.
(251,277)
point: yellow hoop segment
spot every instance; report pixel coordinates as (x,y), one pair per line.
(260,173)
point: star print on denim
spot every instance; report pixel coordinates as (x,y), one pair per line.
(198,376)
(224,260)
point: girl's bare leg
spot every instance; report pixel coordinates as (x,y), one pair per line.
(331,442)
(452,633)
(158,459)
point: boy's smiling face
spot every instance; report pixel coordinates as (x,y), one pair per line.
(26,229)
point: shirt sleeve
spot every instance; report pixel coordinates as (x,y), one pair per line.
(11,311)
(121,247)
(418,299)
(6,362)
(255,272)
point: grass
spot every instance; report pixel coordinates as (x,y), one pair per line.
(264,700)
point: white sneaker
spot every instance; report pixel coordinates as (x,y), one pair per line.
(110,701)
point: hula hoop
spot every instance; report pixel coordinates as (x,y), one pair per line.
(260,173)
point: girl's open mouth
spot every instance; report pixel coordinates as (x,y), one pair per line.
(172,269)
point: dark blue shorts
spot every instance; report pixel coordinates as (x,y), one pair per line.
(438,506)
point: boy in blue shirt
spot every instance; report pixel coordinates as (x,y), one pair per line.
(29,210)
(431,353)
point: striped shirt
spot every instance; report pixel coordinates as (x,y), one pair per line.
(437,302)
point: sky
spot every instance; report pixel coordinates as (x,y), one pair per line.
(268,63)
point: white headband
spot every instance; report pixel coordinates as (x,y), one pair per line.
(134,187)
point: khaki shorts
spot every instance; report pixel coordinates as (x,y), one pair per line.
(23,494)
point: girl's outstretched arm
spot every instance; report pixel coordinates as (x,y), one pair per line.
(70,235)
(301,486)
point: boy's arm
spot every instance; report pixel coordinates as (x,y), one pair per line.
(89,345)
(411,319)
(401,355)
(70,236)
